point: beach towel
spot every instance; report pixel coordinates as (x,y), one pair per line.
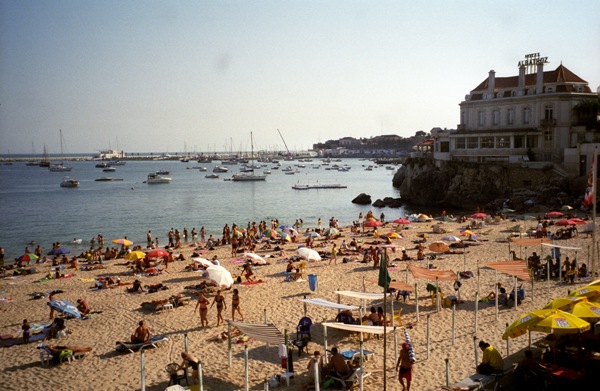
(87,279)
(237,261)
(251,282)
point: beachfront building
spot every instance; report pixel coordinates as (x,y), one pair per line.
(536,118)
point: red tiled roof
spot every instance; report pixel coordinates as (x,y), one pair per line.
(559,75)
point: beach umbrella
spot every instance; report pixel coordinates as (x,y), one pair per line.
(312,234)
(203,262)
(451,239)
(123,241)
(423,235)
(393,235)
(290,231)
(28,257)
(592,292)
(309,254)
(239,232)
(256,259)
(331,231)
(59,251)
(564,222)
(506,210)
(566,207)
(135,255)
(373,223)
(401,221)
(157,253)
(548,321)
(577,221)
(284,227)
(466,232)
(65,307)
(554,214)
(220,276)
(438,247)
(285,236)
(445,219)
(586,310)
(563,303)
(594,283)
(478,215)
(270,233)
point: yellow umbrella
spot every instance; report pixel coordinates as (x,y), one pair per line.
(135,255)
(592,292)
(564,303)
(124,242)
(547,321)
(393,235)
(586,311)
(594,283)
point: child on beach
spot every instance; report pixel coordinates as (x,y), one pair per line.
(25,327)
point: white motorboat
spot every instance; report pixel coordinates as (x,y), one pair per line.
(212,176)
(155,178)
(109,169)
(68,182)
(220,169)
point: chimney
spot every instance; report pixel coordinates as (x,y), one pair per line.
(539,79)
(491,84)
(521,87)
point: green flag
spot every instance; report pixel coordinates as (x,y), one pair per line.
(384,275)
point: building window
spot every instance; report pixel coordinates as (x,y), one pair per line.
(532,141)
(461,143)
(548,112)
(519,141)
(481,118)
(502,142)
(487,142)
(510,116)
(548,135)
(472,143)
(526,115)
(463,117)
(444,146)
(496,117)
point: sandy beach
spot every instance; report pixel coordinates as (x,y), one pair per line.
(279,300)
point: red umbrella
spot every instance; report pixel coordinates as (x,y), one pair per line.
(478,215)
(563,222)
(401,221)
(373,223)
(577,221)
(554,214)
(158,253)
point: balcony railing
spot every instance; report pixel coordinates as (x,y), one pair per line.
(547,122)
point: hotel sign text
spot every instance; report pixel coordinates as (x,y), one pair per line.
(533,59)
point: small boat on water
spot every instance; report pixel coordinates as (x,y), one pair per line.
(109,169)
(155,178)
(104,179)
(199,168)
(102,165)
(68,182)
(298,186)
(212,176)
(220,169)
(117,163)
(266,171)
(163,172)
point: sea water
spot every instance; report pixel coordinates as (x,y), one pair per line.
(33,206)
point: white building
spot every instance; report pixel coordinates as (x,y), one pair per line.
(528,118)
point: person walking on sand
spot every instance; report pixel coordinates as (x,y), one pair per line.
(220,300)
(203,305)
(334,253)
(235,304)
(404,367)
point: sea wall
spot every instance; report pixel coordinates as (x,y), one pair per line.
(467,185)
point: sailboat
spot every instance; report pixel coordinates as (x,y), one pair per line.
(61,166)
(249,176)
(45,162)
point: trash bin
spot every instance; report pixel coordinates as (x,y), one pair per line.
(312,282)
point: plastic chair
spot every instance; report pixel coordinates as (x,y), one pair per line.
(398,317)
(303,328)
(174,376)
(168,307)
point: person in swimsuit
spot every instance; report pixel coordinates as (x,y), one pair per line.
(192,362)
(220,300)
(203,304)
(235,305)
(141,334)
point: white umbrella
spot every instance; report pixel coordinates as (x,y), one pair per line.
(450,238)
(309,254)
(256,259)
(220,275)
(203,262)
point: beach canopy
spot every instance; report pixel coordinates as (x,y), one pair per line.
(358,328)
(398,285)
(531,241)
(330,304)
(546,321)
(260,331)
(432,274)
(512,268)
(362,295)
(561,247)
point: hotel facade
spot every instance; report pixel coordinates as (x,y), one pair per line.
(535,118)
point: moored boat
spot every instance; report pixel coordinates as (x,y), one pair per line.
(155,178)
(68,182)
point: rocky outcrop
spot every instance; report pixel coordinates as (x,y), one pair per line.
(468,185)
(362,199)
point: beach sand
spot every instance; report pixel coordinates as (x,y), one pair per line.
(107,369)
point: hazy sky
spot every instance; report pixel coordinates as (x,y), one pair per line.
(163,75)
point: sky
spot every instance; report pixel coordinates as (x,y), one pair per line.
(176,76)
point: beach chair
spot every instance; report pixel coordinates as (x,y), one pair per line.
(398,317)
(175,377)
(303,328)
(348,382)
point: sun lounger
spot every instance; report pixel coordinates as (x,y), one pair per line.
(134,347)
(351,354)
(350,381)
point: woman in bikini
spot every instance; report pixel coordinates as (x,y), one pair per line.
(203,304)
(220,300)
(235,304)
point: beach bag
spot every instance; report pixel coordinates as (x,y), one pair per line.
(274,381)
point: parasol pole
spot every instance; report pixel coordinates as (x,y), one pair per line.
(476,352)
(185,342)
(453,320)
(437,294)
(200,385)
(142,369)
(476,310)
(507,344)
(548,274)
(305,311)
(428,334)
(478,275)
(316,367)
(417,300)
(447,372)
(325,342)
(496,296)
(516,294)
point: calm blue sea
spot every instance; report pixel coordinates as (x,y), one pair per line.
(33,206)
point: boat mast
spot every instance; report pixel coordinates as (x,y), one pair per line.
(284,143)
